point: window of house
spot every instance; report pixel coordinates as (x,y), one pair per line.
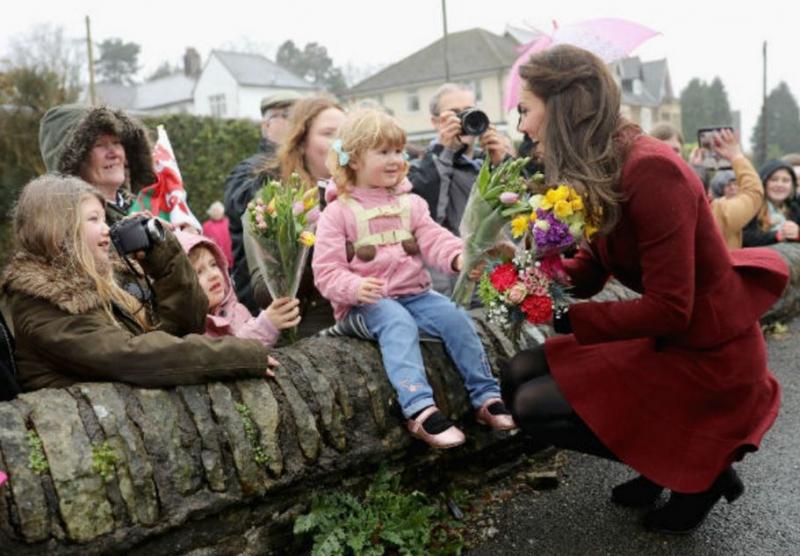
(475,86)
(217,105)
(412,101)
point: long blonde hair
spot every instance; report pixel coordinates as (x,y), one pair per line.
(586,140)
(290,158)
(362,130)
(47,225)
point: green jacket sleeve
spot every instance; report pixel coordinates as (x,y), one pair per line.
(89,347)
(181,304)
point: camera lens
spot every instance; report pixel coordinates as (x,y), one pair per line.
(473,121)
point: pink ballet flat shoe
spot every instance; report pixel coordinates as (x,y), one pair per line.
(448,438)
(501,421)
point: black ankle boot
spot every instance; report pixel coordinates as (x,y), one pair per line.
(685,512)
(636,493)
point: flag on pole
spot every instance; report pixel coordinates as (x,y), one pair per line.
(166,198)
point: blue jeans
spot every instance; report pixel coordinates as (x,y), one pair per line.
(396,323)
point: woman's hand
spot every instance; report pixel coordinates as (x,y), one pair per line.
(370,290)
(790,231)
(726,144)
(271,364)
(284,313)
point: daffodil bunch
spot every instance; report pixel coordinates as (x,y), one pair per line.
(495,198)
(279,224)
(555,220)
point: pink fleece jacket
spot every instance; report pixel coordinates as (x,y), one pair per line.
(230,318)
(405,274)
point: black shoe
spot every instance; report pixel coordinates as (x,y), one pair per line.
(636,493)
(686,512)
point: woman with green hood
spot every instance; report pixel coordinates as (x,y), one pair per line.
(111,151)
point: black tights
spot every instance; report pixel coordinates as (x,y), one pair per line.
(541,410)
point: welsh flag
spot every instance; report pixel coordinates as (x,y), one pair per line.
(166,198)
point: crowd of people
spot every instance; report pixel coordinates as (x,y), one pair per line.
(673,384)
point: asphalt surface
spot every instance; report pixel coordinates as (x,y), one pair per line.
(579,518)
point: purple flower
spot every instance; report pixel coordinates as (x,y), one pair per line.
(554,238)
(509,197)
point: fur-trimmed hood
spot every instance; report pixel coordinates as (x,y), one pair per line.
(67,134)
(65,287)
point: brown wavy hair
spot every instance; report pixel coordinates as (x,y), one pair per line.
(291,154)
(585,138)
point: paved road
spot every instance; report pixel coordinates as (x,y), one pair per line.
(578,518)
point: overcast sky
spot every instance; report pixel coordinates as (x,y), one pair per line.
(699,38)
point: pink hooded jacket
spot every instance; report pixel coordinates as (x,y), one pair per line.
(338,280)
(230,318)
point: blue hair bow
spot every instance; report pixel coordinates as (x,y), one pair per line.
(344,157)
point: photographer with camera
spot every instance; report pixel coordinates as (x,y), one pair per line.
(445,175)
(74,323)
(111,151)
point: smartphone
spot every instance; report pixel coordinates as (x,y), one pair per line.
(705,140)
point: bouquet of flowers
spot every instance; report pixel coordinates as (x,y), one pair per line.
(557,220)
(495,198)
(523,290)
(533,287)
(279,226)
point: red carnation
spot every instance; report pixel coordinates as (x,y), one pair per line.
(538,309)
(503,277)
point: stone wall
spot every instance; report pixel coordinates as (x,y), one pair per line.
(224,468)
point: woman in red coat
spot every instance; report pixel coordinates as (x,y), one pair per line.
(674,384)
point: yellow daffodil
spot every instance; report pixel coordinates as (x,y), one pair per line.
(589,230)
(562,209)
(534,216)
(307,238)
(271,207)
(519,225)
(577,204)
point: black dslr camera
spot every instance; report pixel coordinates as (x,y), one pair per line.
(139,233)
(473,121)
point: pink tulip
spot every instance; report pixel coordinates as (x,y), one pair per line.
(509,197)
(313,215)
(262,225)
(298,208)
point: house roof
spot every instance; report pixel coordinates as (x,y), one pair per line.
(656,87)
(470,52)
(114,94)
(255,70)
(164,91)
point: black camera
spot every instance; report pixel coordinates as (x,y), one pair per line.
(473,121)
(139,233)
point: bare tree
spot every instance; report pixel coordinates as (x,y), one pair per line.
(46,49)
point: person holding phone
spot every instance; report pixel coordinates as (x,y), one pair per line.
(738,199)
(779,216)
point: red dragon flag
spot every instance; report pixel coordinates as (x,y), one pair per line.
(166,198)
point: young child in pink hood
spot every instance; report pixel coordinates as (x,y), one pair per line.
(369,260)
(226,316)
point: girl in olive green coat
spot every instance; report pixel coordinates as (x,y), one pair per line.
(73,323)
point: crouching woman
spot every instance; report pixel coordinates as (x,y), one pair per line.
(73,323)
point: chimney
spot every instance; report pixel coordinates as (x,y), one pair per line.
(191,62)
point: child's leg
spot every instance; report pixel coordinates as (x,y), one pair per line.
(398,337)
(437,315)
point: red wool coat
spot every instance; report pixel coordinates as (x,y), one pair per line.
(675,383)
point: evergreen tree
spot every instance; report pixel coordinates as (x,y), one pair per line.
(719,108)
(312,63)
(783,125)
(704,105)
(118,61)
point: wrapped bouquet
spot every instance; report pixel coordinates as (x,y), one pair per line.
(533,286)
(495,198)
(279,226)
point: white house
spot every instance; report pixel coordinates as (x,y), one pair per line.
(232,84)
